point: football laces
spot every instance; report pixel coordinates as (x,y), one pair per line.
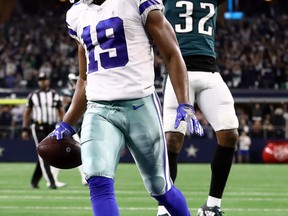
(87,1)
(83,1)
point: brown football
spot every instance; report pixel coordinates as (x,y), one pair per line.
(62,154)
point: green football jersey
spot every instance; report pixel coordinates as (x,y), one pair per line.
(194,22)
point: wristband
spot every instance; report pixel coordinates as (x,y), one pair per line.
(68,127)
(26,129)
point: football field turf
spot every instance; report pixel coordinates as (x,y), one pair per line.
(252,190)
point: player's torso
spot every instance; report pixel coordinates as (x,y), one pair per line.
(119,54)
(194,22)
(45,105)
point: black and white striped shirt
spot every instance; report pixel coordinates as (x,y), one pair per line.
(45,105)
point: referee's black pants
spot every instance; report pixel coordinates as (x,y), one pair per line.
(39,132)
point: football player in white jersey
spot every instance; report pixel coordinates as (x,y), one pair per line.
(115,90)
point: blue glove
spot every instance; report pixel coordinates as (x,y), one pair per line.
(186,112)
(63,130)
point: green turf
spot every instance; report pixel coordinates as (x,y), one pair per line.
(252,190)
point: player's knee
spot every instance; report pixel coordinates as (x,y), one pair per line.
(155,185)
(228,138)
(233,137)
(174,141)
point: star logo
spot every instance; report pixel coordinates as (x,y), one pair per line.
(1,151)
(191,151)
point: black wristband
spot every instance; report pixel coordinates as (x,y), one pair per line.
(25,129)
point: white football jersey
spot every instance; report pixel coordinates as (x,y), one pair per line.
(120,60)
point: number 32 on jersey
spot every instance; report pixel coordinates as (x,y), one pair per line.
(187,15)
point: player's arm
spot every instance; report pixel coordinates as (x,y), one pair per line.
(78,104)
(164,37)
(61,113)
(221,1)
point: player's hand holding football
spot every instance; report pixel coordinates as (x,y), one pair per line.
(63,130)
(186,112)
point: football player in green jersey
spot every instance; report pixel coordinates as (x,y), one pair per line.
(194,22)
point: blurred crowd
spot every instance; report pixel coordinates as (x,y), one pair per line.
(257,120)
(252,54)
(30,45)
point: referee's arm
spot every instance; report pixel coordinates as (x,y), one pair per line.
(26,123)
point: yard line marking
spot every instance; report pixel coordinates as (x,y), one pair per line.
(256,210)
(43,197)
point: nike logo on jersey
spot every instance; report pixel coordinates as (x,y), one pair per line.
(135,107)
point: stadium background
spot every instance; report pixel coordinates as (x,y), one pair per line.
(252,55)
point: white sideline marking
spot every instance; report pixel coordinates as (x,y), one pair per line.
(131,198)
(139,208)
(191,192)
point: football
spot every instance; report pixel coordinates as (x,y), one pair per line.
(62,154)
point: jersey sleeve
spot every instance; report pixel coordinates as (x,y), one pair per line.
(146,6)
(72,33)
(72,19)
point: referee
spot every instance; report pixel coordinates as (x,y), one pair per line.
(43,111)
